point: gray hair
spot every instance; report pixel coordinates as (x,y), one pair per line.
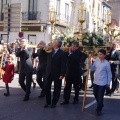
(26,40)
(43,42)
(59,41)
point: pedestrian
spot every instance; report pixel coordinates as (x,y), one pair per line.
(8,74)
(55,71)
(41,68)
(72,74)
(113,56)
(26,67)
(102,78)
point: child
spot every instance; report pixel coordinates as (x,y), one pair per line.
(9,73)
(102,79)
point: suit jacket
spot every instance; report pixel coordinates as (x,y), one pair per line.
(42,56)
(118,66)
(73,63)
(26,65)
(56,65)
(114,57)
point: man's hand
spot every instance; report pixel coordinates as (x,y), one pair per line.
(107,86)
(61,77)
(111,61)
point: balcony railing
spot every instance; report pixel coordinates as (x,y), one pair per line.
(1,16)
(31,16)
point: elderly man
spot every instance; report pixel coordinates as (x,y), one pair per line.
(55,71)
(42,56)
(26,67)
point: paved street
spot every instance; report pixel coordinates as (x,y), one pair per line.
(13,108)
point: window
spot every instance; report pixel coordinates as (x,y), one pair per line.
(32,5)
(93,7)
(4,37)
(32,39)
(2,3)
(66,10)
(32,11)
(58,7)
(98,10)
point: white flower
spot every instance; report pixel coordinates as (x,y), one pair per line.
(65,38)
(87,37)
(90,35)
(85,40)
(71,40)
(94,41)
(75,38)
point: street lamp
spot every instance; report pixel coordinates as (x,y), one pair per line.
(108,19)
(81,16)
(52,19)
(109,31)
(81,19)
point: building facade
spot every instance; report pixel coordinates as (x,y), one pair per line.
(35,24)
(95,14)
(115,11)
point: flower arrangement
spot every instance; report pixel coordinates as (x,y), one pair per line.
(67,38)
(93,39)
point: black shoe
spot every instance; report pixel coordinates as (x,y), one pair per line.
(64,103)
(75,102)
(40,96)
(98,113)
(107,94)
(111,94)
(91,86)
(53,106)
(26,98)
(34,85)
(6,94)
(46,105)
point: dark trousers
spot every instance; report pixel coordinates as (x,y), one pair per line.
(41,82)
(67,90)
(26,87)
(99,95)
(92,77)
(117,86)
(57,89)
(114,82)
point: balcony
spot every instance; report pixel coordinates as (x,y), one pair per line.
(31,17)
(63,20)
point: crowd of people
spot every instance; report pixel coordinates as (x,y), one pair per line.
(55,65)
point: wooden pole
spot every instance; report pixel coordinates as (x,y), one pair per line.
(88,70)
(1,65)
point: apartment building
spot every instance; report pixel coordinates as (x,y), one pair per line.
(115,11)
(35,24)
(95,14)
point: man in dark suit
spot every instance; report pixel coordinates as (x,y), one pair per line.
(55,72)
(113,56)
(72,73)
(26,67)
(42,56)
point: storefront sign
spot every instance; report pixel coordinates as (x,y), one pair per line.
(29,28)
(32,28)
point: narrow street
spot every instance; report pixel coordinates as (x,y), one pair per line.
(13,108)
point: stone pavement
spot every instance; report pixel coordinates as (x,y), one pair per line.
(13,108)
